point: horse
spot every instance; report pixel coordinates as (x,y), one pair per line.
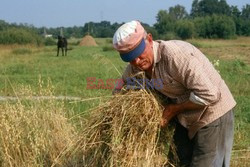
(62,43)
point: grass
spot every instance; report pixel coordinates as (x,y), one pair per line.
(25,67)
(34,133)
(68,74)
(127,132)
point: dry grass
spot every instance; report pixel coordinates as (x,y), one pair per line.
(125,132)
(33,133)
(225,49)
(240,158)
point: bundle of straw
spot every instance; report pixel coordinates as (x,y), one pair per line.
(125,132)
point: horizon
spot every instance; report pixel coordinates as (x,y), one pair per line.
(77,13)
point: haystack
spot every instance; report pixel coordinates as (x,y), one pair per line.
(125,132)
(88,41)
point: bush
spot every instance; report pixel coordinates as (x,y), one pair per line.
(49,42)
(215,26)
(223,26)
(168,36)
(203,27)
(19,36)
(246,28)
(185,29)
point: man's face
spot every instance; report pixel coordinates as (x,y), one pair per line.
(146,59)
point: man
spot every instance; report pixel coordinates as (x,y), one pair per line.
(203,103)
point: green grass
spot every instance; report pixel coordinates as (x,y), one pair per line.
(68,74)
(21,51)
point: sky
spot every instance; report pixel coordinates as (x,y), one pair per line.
(69,13)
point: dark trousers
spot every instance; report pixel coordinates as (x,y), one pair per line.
(210,147)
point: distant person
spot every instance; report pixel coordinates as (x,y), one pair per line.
(202,103)
(62,44)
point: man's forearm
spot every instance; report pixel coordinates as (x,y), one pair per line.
(186,106)
(172,110)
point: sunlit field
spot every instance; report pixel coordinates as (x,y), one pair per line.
(43,97)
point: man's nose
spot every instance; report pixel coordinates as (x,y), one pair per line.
(137,60)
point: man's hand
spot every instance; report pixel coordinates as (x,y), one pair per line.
(168,113)
(173,109)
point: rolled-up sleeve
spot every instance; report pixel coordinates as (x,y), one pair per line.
(195,99)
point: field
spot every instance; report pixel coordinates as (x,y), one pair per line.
(29,71)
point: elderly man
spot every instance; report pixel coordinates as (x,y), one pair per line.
(202,101)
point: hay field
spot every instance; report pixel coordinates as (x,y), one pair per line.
(23,69)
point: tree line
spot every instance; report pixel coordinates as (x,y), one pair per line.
(207,19)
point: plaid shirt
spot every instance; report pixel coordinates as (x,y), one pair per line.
(187,74)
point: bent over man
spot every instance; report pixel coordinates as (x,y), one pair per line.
(202,101)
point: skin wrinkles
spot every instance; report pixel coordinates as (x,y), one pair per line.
(146,59)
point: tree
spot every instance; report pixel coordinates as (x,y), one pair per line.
(209,7)
(236,15)
(215,26)
(235,12)
(203,27)
(165,22)
(246,12)
(195,9)
(245,18)
(3,25)
(223,8)
(223,26)
(178,12)
(185,29)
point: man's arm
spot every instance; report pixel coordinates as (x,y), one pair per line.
(172,110)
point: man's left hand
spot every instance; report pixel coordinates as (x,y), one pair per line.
(168,113)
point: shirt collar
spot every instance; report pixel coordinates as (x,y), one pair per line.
(157,56)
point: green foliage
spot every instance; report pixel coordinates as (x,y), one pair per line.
(49,42)
(151,30)
(245,29)
(203,27)
(212,23)
(209,7)
(165,22)
(178,12)
(246,12)
(215,26)
(3,25)
(185,29)
(169,36)
(238,65)
(222,26)
(103,29)
(19,36)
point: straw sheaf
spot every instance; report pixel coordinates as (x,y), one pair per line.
(125,132)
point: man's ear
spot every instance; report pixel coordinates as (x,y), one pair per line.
(149,37)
